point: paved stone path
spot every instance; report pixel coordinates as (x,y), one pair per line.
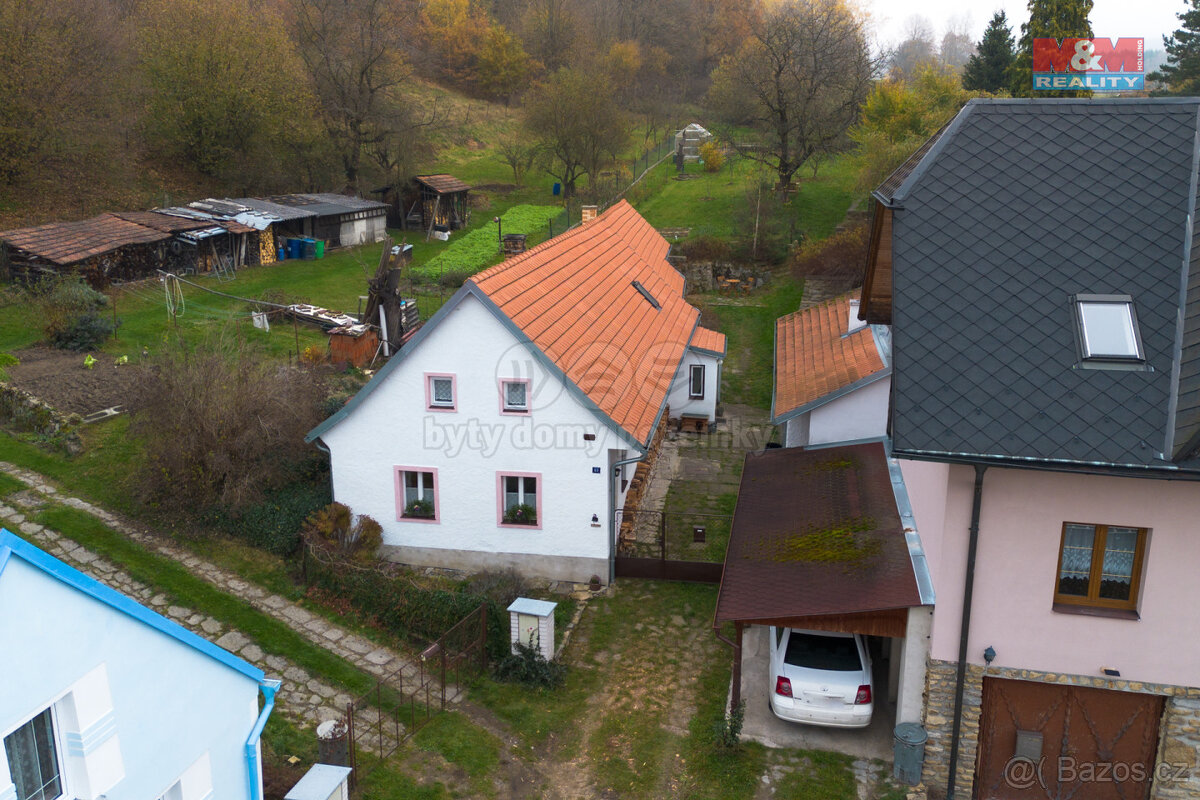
(302,697)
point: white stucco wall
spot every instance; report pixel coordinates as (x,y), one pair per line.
(678,398)
(469,445)
(135,709)
(1020,532)
(861,414)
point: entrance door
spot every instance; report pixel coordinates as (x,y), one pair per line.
(1053,742)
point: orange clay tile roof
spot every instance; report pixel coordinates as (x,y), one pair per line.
(68,242)
(813,358)
(574,297)
(708,339)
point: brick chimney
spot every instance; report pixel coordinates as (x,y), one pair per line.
(588,213)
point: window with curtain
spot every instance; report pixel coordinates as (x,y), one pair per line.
(1100,565)
(420,494)
(441,392)
(519,499)
(33,759)
(516,396)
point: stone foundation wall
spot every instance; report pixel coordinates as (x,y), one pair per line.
(1177,774)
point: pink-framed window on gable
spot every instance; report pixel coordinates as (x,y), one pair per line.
(441,391)
(519,500)
(514,396)
(417,494)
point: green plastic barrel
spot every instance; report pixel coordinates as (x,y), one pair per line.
(320,248)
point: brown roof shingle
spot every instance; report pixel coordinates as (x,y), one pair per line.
(708,339)
(814,356)
(574,297)
(443,184)
(69,242)
(816,532)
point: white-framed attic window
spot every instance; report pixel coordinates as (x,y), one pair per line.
(1108,328)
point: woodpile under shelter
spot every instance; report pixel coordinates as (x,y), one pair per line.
(102,249)
(340,220)
(442,202)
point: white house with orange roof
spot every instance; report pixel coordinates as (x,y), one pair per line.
(832,375)
(503,435)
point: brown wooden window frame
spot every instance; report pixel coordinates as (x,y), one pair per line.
(1093,600)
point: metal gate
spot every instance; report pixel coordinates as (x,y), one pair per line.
(1054,742)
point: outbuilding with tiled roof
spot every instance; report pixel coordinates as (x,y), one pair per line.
(831,374)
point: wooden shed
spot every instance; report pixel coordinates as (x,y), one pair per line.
(102,249)
(442,202)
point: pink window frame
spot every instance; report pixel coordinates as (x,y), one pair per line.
(541,489)
(528,397)
(429,406)
(398,483)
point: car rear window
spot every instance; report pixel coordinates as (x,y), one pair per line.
(836,654)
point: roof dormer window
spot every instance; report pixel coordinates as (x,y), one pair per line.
(1108,328)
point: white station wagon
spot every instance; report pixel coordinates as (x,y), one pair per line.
(821,678)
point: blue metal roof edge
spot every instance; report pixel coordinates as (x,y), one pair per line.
(1181,310)
(40,559)
(471,289)
(916,550)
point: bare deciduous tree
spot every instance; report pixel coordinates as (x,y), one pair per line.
(797,82)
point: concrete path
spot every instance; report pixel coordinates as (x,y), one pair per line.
(302,697)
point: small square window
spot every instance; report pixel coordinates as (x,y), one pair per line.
(440,392)
(520,503)
(515,395)
(33,759)
(1100,565)
(1108,329)
(416,494)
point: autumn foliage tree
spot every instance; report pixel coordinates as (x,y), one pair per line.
(797,83)
(210,102)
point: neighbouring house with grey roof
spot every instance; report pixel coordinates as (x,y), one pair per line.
(1037,263)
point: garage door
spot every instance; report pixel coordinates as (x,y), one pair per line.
(1046,741)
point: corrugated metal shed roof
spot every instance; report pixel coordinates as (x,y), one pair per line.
(283,212)
(443,184)
(69,242)
(574,297)
(327,204)
(816,532)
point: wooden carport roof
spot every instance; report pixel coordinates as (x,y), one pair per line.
(817,542)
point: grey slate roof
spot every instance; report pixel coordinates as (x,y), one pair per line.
(1018,206)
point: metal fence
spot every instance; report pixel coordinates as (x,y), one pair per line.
(402,703)
(685,546)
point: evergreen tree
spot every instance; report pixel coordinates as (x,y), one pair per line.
(987,70)
(1049,19)
(1181,73)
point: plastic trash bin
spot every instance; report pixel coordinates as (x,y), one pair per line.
(295,248)
(557,189)
(909,752)
(282,253)
(320,248)
(308,249)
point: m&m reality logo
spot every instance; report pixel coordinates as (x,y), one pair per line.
(1096,64)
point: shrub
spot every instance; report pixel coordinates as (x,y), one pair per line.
(529,667)
(844,254)
(712,155)
(703,248)
(338,530)
(222,426)
(727,731)
(275,523)
(312,355)
(72,316)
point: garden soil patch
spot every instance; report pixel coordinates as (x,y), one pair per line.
(59,378)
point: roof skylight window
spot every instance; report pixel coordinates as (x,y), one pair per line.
(1108,329)
(646,294)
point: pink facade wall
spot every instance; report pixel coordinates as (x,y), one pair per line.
(1019,536)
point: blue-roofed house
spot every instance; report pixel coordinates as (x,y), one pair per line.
(102,697)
